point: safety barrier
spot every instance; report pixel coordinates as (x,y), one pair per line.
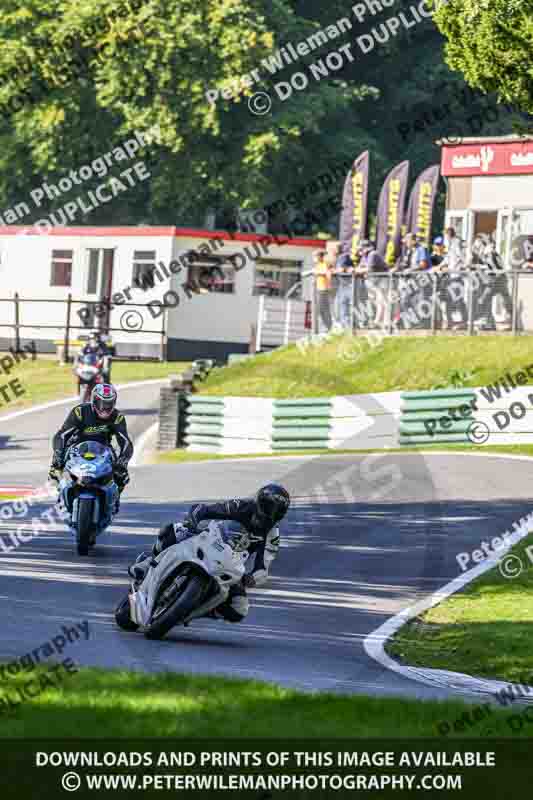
(372,421)
(250,425)
(436,416)
(301,424)
(228,424)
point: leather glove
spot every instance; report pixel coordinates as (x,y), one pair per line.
(54,473)
(121,474)
(194,517)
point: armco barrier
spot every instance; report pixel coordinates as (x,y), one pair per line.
(229,424)
(253,425)
(435,416)
(301,424)
(371,421)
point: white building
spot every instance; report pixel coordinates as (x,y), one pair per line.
(490,190)
(39,272)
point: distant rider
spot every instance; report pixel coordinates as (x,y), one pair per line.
(259,516)
(98,346)
(96,421)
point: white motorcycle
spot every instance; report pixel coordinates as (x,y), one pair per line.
(187,580)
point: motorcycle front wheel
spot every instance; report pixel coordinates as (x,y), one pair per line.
(122,616)
(85,525)
(175,601)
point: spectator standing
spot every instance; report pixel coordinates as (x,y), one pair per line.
(418,259)
(322,275)
(439,264)
(343,271)
(454,250)
(376,270)
(528,263)
(454,263)
(528,252)
(415,258)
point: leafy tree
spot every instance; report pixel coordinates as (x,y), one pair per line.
(93,72)
(490,42)
(78,77)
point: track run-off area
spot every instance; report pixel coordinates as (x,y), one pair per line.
(356,549)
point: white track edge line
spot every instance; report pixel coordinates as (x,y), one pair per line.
(374,642)
(52,403)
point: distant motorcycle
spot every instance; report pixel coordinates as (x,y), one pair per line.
(89,370)
(186,580)
(88,493)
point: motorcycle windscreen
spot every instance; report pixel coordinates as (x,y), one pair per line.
(92,451)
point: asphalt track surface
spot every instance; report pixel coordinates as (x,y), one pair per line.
(366,537)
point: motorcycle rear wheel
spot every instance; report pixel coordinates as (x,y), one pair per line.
(188,599)
(85,525)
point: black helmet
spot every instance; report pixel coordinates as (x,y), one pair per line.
(273,502)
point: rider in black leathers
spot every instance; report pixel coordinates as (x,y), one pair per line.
(97,421)
(258,515)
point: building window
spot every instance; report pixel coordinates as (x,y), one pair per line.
(219,279)
(521,236)
(275,277)
(92,272)
(143,269)
(61,274)
(223,280)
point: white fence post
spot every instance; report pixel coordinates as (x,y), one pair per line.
(260,323)
(287,323)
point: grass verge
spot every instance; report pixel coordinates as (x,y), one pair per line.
(185,456)
(485,630)
(346,364)
(44,379)
(109,703)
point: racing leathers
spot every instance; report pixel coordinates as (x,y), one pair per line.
(82,425)
(262,551)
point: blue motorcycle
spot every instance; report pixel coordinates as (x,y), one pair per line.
(88,494)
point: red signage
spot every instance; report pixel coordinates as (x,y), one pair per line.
(490,158)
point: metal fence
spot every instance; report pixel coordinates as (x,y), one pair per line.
(281,321)
(25,318)
(469,301)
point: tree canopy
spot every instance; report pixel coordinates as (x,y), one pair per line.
(80,76)
(491,43)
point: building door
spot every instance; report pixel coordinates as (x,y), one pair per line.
(463,223)
(503,235)
(99,282)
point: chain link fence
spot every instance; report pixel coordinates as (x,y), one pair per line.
(431,301)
